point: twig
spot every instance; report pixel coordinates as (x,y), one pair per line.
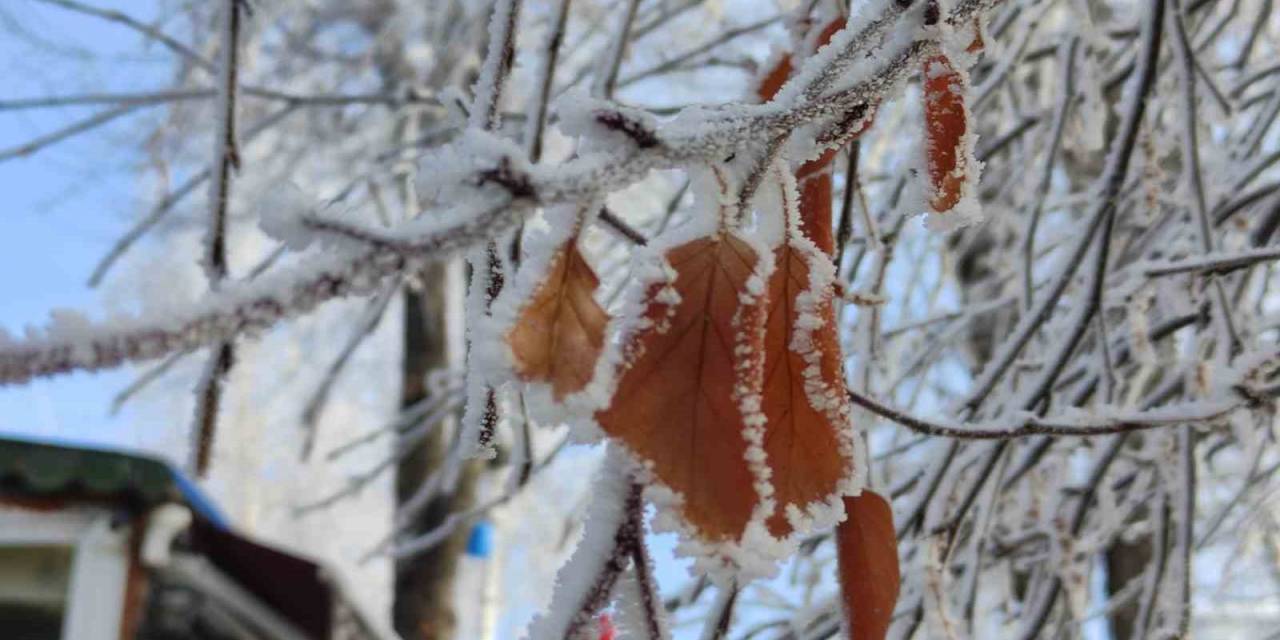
(151,375)
(480,415)
(1184,536)
(720,617)
(642,567)
(139,26)
(678,60)
(1065,97)
(1211,264)
(1191,160)
(226,157)
(537,118)
(610,532)
(117,99)
(182,95)
(1032,425)
(606,79)
(611,219)
(80,126)
(162,208)
(320,397)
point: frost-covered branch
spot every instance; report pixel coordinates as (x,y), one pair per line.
(72,343)
(226,159)
(697,137)
(1066,427)
(1087,378)
(611,530)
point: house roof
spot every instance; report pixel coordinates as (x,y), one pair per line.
(50,470)
(55,472)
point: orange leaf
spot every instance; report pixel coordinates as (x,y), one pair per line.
(807,435)
(814,176)
(803,443)
(977,45)
(690,367)
(772,81)
(868,561)
(945,125)
(559,333)
(831,29)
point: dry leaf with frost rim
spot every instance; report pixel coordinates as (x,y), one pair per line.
(690,367)
(558,335)
(946,123)
(805,448)
(808,435)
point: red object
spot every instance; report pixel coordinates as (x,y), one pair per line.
(607,632)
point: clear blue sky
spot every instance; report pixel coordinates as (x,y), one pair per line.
(64,206)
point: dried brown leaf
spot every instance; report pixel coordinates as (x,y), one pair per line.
(559,333)
(679,399)
(946,122)
(867,550)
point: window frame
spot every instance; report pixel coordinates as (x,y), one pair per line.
(99,563)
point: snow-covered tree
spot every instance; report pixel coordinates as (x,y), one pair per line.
(923,318)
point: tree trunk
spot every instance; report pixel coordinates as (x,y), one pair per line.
(422,607)
(1126,561)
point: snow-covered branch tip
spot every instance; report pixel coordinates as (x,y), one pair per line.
(72,342)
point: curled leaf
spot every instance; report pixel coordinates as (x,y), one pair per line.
(946,123)
(559,333)
(809,443)
(683,402)
(867,552)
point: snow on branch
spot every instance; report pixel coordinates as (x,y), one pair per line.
(72,342)
(508,187)
(612,530)
(1081,375)
(1065,426)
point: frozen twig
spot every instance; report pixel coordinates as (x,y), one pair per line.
(315,405)
(226,158)
(612,528)
(1032,425)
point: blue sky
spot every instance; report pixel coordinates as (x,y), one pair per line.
(65,205)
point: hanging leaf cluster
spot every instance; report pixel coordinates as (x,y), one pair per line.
(727,382)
